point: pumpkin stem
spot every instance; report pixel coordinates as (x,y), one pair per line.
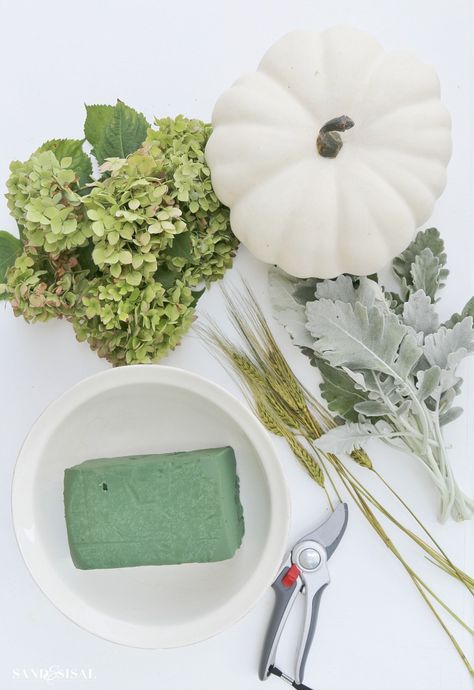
(329,141)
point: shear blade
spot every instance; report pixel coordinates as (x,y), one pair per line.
(331,531)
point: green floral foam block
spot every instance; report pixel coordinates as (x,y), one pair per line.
(153,509)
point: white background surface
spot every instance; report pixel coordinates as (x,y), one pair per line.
(165,58)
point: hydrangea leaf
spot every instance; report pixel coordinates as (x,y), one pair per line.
(98,117)
(166,276)
(362,338)
(71,148)
(10,248)
(197,294)
(114,133)
(86,262)
(182,246)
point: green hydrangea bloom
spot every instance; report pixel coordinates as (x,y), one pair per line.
(37,295)
(158,208)
(43,196)
(120,257)
(133,325)
(133,218)
(209,246)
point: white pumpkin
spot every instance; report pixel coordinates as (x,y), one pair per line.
(315,215)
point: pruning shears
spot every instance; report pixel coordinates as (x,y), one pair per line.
(307,574)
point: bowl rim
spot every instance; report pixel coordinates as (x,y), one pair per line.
(105,625)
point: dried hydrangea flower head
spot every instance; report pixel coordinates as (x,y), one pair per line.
(39,295)
(133,217)
(120,256)
(43,196)
(131,325)
(210,246)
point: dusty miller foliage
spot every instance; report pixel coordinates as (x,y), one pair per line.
(388,366)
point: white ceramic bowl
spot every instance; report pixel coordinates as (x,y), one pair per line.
(143,409)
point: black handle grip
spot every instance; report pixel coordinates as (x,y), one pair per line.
(298,686)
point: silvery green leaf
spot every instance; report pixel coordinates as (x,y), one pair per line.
(449,381)
(359,378)
(395,302)
(339,391)
(372,408)
(390,390)
(449,387)
(447,347)
(369,293)
(405,289)
(286,309)
(449,416)
(402,265)
(301,289)
(404,408)
(345,438)
(379,387)
(456,318)
(419,313)
(426,273)
(428,381)
(449,394)
(446,400)
(442,397)
(305,289)
(358,337)
(342,289)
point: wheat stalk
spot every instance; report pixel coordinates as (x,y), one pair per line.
(288,410)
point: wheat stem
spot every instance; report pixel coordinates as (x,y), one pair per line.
(287,409)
